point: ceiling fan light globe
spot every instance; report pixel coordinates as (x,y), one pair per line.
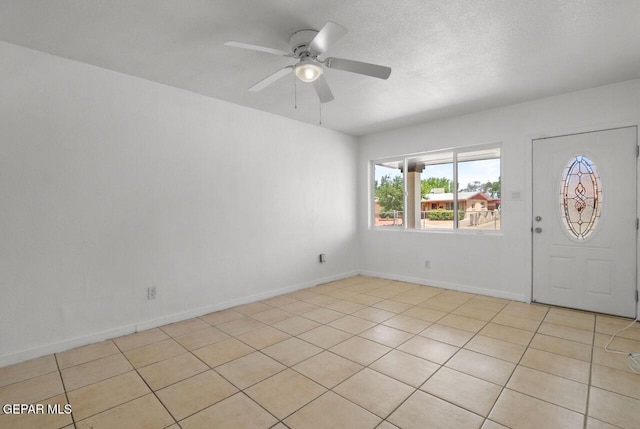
(308,72)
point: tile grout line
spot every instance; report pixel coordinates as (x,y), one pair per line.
(323,350)
(357,372)
(589,383)
(234,385)
(416,389)
(146,384)
(485,418)
(329,351)
(64,388)
(239,390)
(367,366)
(477,333)
(593,347)
(443,365)
(408,339)
(515,368)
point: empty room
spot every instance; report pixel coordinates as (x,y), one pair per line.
(302,214)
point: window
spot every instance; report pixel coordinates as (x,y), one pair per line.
(436,190)
(388,194)
(580,197)
(434,186)
(479,188)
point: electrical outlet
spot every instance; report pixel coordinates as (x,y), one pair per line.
(427,265)
(322,258)
(151,292)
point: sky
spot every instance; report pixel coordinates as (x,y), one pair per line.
(487,170)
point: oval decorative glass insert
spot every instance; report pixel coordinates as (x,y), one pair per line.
(580,197)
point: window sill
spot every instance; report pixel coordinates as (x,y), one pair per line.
(438,231)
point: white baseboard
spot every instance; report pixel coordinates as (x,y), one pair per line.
(60,346)
(452,286)
(177,317)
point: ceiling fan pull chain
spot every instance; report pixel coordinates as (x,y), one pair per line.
(295,92)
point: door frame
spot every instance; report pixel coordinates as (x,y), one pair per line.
(529,175)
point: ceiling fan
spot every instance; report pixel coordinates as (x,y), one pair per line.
(306,47)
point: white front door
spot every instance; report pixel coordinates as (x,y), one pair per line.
(584,221)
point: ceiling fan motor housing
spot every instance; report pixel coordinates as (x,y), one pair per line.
(300,41)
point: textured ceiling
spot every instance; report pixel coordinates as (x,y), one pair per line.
(448,57)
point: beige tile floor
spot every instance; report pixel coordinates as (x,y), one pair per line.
(355,353)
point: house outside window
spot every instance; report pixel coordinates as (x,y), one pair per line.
(435,186)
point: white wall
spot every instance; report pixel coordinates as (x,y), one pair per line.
(110,184)
(498,265)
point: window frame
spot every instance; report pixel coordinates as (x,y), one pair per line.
(404,161)
(372,197)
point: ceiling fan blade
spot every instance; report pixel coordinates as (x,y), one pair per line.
(322,89)
(257,48)
(373,70)
(271,79)
(328,35)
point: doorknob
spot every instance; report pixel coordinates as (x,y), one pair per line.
(538,230)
